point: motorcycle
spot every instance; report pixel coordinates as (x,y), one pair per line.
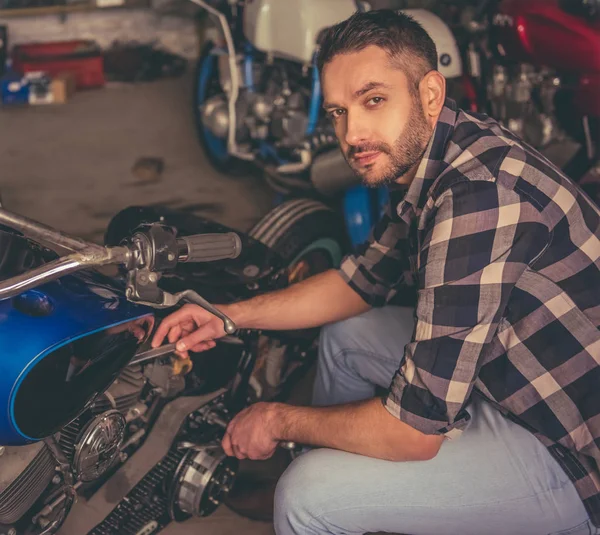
(535,65)
(89,412)
(257,99)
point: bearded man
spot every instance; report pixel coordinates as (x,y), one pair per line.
(490,417)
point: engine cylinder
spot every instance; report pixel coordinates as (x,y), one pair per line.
(25,472)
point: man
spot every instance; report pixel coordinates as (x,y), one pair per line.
(491,419)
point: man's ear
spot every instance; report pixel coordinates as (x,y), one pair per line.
(432,89)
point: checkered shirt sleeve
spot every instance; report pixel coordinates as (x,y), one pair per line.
(381,267)
(478,241)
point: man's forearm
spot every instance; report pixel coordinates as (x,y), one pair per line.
(321,299)
(364,427)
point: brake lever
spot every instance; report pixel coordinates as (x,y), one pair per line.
(192,297)
(170,300)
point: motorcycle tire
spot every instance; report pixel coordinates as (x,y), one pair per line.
(311,239)
(207,86)
(296,228)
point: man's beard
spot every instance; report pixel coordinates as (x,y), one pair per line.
(407,151)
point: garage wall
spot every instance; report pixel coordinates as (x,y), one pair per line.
(176,34)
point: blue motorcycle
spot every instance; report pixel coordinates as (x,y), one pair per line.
(89,411)
(257,99)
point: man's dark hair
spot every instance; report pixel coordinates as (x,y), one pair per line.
(408,45)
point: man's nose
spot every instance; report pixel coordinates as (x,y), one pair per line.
(356,130)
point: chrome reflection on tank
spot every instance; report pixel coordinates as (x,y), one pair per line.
(98,445)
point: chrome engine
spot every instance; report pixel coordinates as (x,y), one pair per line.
(282,118)
(275,111)
(180,471)
(25,472)
(523,99)
(93,442)
(91,445)
(191,480)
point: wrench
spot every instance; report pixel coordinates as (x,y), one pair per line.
(161,351)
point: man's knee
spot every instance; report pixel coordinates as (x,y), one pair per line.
(300,491)
(393,321)
(378,331)
(342,334)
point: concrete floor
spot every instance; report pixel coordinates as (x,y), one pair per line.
(70,167)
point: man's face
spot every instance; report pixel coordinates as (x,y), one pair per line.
(378,121)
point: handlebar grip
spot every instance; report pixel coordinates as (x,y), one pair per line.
(209,247)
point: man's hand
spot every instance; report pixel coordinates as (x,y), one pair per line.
(251,434)
(195,328)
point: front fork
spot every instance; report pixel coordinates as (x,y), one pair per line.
(363,207)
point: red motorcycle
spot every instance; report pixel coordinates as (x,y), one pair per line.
(535,66)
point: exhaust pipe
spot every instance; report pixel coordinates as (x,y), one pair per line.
(330,173)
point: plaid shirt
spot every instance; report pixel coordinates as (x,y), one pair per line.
(504,251)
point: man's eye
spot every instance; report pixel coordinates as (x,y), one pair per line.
(375,100)
(334,114)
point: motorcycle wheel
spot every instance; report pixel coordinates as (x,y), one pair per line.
(311,239)
(207,86)
(298,228)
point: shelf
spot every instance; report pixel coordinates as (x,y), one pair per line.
(65,10)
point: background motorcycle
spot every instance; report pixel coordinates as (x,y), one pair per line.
(258,99)
(536,68)
(137,435)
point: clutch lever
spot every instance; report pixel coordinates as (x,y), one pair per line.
(170,300)
(192,297)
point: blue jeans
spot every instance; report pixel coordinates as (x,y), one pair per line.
(497,478)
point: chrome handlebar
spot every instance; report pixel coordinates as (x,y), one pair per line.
(59,268)
(45,235)
(83,254)
(148,254)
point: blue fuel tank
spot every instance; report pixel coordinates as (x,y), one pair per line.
(60,346)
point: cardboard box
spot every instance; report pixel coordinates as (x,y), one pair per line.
(63,87)
(39,88)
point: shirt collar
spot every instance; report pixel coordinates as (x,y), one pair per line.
(430,166)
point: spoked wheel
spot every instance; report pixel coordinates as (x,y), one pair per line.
(209,95)
(311,239)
